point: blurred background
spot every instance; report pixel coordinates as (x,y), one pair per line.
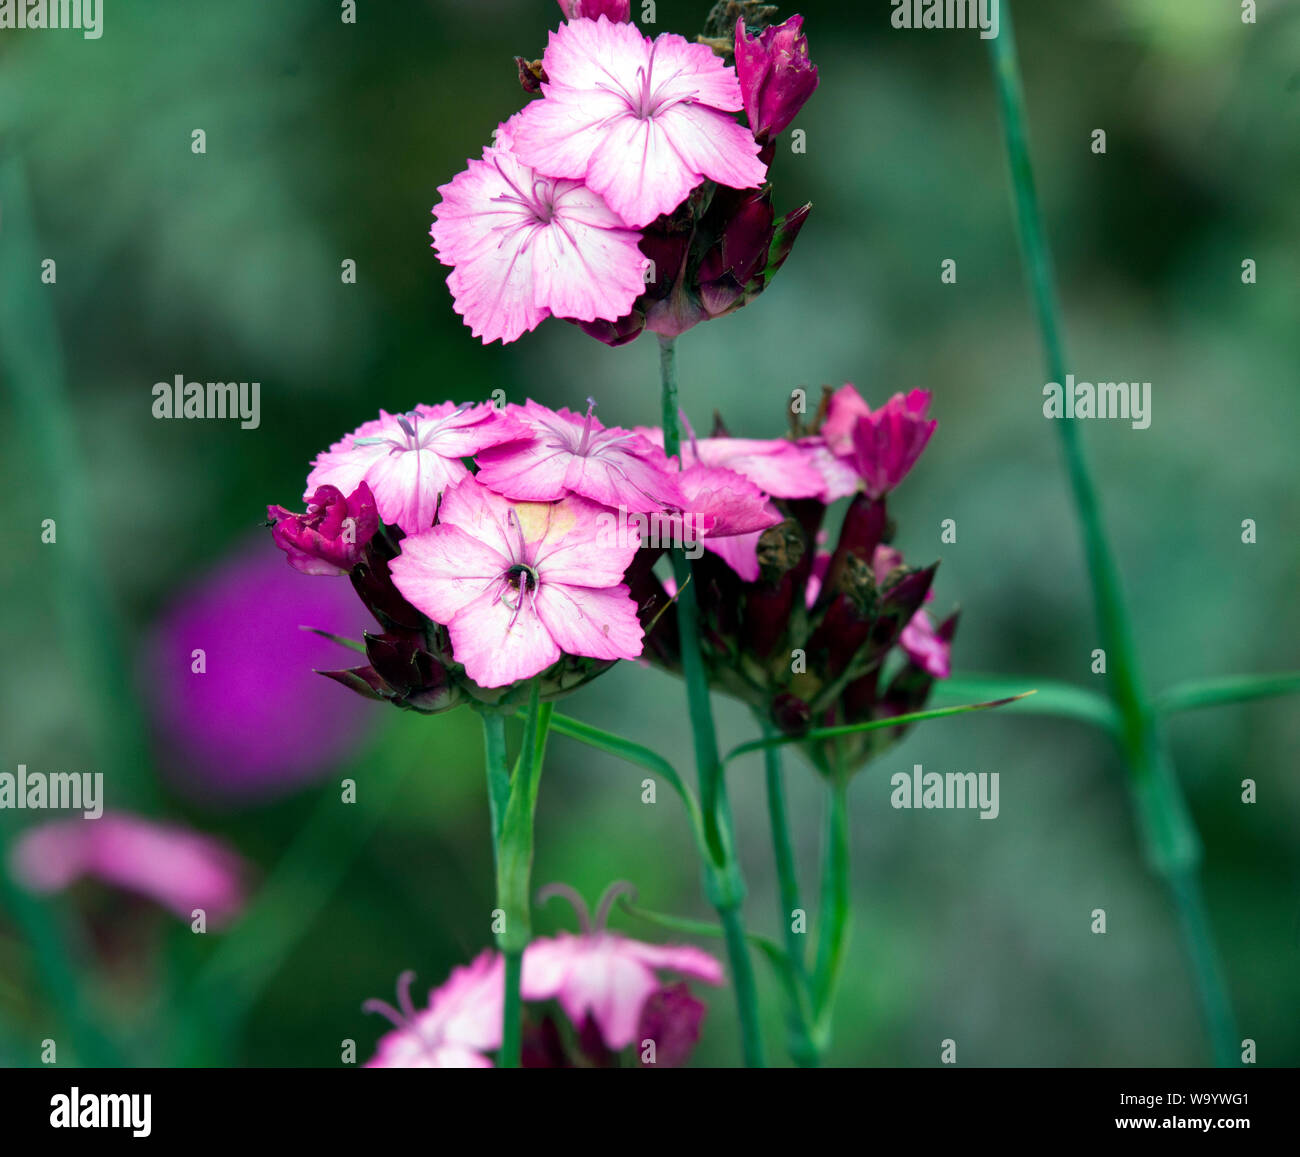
(326,142)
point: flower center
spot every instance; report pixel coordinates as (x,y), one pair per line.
(522,578)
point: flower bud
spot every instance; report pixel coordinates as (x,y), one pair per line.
(776,76)
(615,11)
(329,538)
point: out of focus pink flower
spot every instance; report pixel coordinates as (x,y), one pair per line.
(776,76)
(640,122)
(604,975)
(517,584)
(565,452)
(176,867)
(228,674)
(329,538)
(615,10)
(461,1023)
(925,647)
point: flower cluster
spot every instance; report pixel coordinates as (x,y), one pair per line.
(811,636)
(493,545)
(607,985)
(629,196)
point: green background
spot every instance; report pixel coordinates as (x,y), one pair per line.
(327,142)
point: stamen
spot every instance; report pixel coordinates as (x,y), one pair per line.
(575,899)
(586,428)
(406,1017)
(613,892)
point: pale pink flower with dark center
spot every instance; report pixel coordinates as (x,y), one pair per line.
(570,453)
(604,975)
(642,122)
(409,459)
(175,867)
(462,1022)
(526,246)
(517,584)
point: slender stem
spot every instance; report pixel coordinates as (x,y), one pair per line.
(498,774)
(668,381)
(801,1045)
(1170,838)
(511,1019)
(514,868)
(834,916)
(723,881)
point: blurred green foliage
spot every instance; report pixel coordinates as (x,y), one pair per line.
(327,142)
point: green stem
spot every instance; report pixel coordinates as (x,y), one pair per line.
(834,914)
(1170,838)
(498,774)
(801,1045)
(723,882)
(514,868)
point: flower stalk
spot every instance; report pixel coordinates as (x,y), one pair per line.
(1169,835)
(724,884)
(514,855)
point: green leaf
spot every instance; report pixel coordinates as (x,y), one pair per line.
(873,725)
(352,644)
(1224,690)
(1061,699)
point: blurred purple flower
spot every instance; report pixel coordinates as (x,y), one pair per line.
(250,717)
(174,866)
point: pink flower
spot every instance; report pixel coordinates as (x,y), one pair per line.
(616,10)
(738,511)
(604,975)
(526,246)
(846,407)
(409,459)
(776,76)
(328,539)
(887,443)
(175,867)
(925,647)
(776,466)
(839,478)
(518,584)
(569,453)
(641,122)
(462,1022)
